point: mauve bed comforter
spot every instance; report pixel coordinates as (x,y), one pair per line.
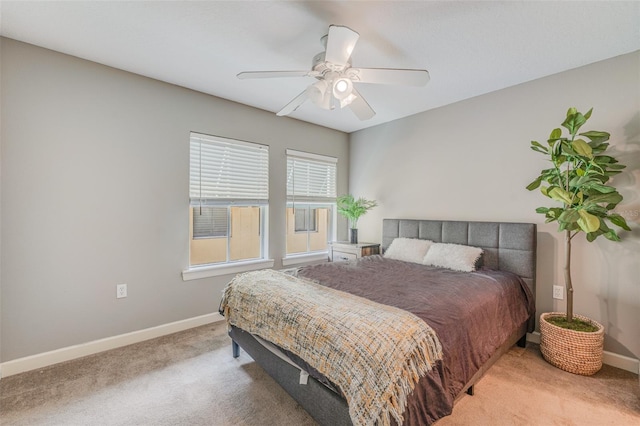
(473,314)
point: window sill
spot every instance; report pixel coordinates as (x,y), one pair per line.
(196,273)
(304,258)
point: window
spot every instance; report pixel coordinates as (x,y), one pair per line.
(209,222)
(306,219)
(311,196)
(228,193)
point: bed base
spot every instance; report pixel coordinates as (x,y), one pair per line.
(324,405)
(507,246)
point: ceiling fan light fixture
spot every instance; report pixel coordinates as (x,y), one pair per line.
(319,94)
(342,88)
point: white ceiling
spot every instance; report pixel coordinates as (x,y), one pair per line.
(469,47)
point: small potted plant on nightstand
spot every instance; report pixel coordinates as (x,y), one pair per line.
(578,179)
(352,209)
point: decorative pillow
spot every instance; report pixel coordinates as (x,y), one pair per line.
(453,256)
(408,249)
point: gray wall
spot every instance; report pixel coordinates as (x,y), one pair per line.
(94,172)
(95,193)
(471,161)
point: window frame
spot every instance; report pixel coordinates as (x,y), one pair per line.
(313,197)
(220,233)
(258,198)
(310,220)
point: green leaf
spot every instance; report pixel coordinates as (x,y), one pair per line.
(588,222)
(557,147)
(598,148)
(555,134)
(596,210)
(573,121)
(597,172)
(603,227)
(569,215)
(560,194)
(555,213)
(579,120)
(611,197)
(572,226)
(581,179)
(537,146)
(616,166)
(544,190)
(618,220)
(604,159)
(588,114)
(561,159)
(610,206)
(602,188)
(596,136)
(612,235)
(568,150)
(535,184)
(582,148)
(609,174)
(550,214)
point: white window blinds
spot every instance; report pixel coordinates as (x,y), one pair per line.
(210,222)
(224,170)
(310,177)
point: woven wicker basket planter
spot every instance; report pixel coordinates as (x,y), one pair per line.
(577,352)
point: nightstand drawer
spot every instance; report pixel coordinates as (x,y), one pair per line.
(340,256)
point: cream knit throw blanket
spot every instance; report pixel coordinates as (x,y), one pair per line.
(375,353)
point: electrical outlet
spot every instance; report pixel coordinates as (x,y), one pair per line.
(558,292)
(121,291)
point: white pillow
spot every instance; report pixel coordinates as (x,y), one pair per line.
(453,256)
(408,249)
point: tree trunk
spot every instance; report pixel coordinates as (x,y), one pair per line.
(567,275)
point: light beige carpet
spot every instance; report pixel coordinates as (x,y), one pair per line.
(190,378)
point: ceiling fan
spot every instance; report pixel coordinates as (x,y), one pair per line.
(336,77)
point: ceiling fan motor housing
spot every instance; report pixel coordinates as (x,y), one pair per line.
(319,64)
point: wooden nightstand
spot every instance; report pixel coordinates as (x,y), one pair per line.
(342,251)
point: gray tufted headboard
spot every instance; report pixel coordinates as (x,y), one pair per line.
(507,246)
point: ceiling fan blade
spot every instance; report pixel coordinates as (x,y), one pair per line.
(407,77)
(360,107)
(294,104)
(340,43)
(276,74)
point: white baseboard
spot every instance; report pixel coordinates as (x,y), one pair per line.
(533,337)
(609,358)
(45,359)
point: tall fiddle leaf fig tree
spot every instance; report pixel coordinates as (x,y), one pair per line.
(579,180)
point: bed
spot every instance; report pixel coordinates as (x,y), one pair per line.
(474,327)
